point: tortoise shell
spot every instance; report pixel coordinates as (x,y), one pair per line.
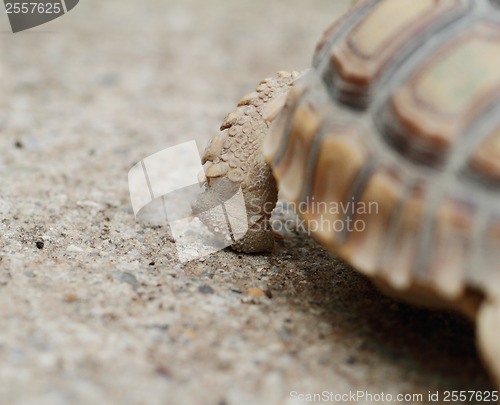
(389,146)
(398,124)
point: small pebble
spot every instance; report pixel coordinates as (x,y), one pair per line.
(205,289)
(255,292)
(163,371)
(39,244)
(125,277)
(285,335)
(190,334)
(71,297)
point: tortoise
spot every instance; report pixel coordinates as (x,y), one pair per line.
(401,110)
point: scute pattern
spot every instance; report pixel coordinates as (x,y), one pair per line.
(405,152)
(292,165)
(485,160)
(437,103)
(452,253)
(341,150)
(359,58)
(490,256)
(365,247)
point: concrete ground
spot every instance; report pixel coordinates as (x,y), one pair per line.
(95,308)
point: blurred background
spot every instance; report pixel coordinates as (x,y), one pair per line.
(95,308)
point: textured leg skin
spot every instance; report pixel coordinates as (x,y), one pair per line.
(488,334)
(236,155)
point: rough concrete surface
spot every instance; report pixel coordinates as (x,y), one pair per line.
(95,308)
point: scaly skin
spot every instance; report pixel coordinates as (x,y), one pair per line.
(236,155)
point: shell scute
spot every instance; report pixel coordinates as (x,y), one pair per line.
(357,61)
(459,81)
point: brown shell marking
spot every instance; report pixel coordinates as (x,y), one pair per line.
(293,167)
(365,51)
(490,256)
(342,152)
(442,97)
(322,164)
(452,247)
(485,161)
(236,154)
(388,30)
(390,241)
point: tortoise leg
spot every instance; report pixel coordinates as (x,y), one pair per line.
(236,155)
(488,335)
